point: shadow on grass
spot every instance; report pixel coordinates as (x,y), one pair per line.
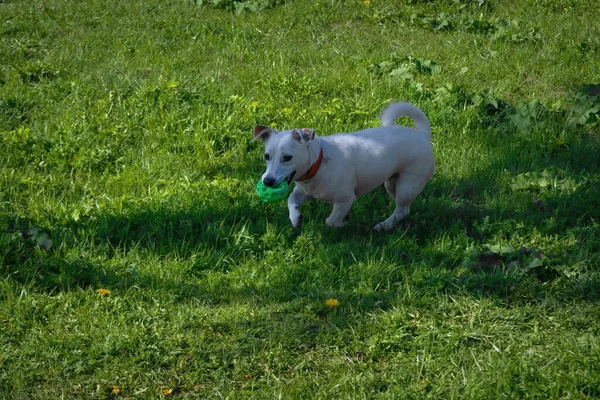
(365,269)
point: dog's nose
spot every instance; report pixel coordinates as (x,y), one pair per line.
(269,181)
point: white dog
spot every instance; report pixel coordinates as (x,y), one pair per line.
(340,168)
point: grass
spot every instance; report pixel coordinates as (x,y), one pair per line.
(126,164)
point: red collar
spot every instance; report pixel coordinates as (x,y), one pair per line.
(313,169)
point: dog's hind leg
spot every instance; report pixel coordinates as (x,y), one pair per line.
(406,190)
(390,185)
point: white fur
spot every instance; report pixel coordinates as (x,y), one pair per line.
(354,164)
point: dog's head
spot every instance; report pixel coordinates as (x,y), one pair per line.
(286,153)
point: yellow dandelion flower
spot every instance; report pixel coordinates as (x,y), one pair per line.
(366,2)
(116,390)
(103,292)
(332,302)
(167,392)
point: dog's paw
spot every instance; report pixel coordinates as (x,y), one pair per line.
(298,222)
(382,227)
(334,224)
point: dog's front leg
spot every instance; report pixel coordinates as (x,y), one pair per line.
(296,199)
(337,218)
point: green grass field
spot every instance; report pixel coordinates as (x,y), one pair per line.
(136,260)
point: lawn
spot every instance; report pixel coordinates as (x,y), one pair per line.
(137,261)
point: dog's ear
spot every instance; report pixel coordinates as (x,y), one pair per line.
(261,132)
(304,135)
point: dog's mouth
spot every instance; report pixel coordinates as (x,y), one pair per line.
(290,177)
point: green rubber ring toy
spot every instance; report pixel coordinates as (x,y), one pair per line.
(272,194)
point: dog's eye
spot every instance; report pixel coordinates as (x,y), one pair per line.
(286,158)
(267,156)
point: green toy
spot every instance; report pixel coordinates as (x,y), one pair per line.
(272,194)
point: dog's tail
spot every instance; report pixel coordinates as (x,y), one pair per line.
(396,110)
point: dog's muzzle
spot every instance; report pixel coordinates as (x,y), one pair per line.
(269,181)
